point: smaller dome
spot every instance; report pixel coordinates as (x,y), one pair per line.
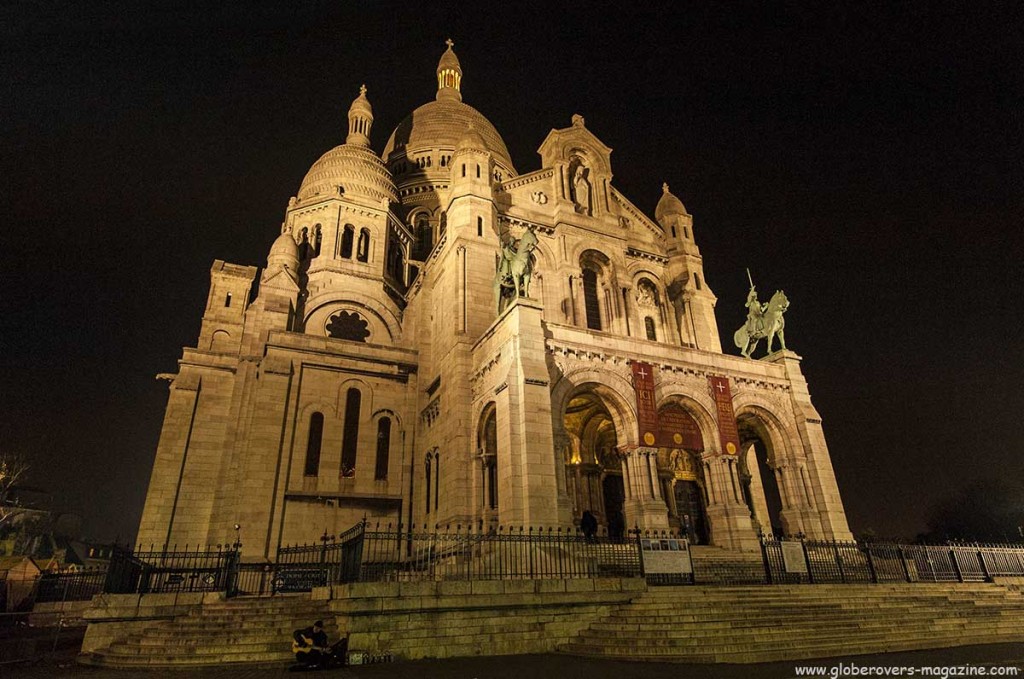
(471,139)
(449,60)
(361,104)
(668,206)
(284,251)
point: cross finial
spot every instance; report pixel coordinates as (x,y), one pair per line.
(449,43)
(664,187)
(362,90)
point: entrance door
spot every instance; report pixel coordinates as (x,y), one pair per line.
(690,505)
(614,495)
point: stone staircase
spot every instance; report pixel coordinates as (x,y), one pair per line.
(244,630)
(718,566)
(774,623)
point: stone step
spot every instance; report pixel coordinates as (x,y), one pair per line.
(776,650)
(754,633)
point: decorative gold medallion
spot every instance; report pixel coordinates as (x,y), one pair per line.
(649,438)
(730,448)
(678,438)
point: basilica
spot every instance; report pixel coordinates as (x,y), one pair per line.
(438,339)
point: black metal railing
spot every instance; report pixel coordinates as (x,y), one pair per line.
(186,570)
(396,553)
(871,562)
(70,586)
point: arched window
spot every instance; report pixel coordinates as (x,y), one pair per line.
(425,236)
(649,327)
(380,471)
(479,226)
(350,440)
(346,241)
(478,171)
(316,435)
(437,477)
(673,232)
(227,300)
(426,475)
(590,299)
(488,442)
(696,279)
(317,239)
(396,265)
(363,247)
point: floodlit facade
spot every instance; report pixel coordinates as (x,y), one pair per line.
(379,366)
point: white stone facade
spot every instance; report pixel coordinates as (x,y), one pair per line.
(372,374)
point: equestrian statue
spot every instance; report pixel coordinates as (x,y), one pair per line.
(763,321)
(512,278)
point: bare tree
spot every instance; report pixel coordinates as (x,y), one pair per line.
(12,468)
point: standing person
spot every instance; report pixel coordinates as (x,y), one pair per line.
(588,524)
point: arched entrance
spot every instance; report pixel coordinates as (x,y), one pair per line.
(682,474)
(758,478)
(593,468)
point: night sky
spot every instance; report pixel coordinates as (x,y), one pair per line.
(867,160)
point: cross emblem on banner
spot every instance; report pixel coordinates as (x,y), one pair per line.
(642,373)
(720,387)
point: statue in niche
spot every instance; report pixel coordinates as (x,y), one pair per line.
(646,295)
(763,321)
(515,269)
(581,190)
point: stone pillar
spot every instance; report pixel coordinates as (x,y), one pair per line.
(528,479)
(644,506)
(827,506)
(728,515)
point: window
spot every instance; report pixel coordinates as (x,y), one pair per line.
(227,300)
(479,229)
(383,448)
(463,169)
(437,476)
(363,248)
(649,327)
(673,232)
(350,440)
(346,241)
(590,299)
(478,171)
(696,280)
(317,239)
(316,435)
(426,474)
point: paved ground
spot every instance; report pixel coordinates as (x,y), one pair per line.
(543,666)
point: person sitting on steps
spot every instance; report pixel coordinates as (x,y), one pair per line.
(312,650)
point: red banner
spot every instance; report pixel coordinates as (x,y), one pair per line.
(727,431)
(646,410)
(678,429)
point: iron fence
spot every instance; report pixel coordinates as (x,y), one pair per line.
(173,570)
(70,586)
(816,561)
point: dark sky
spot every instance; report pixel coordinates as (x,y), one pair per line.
(866,159)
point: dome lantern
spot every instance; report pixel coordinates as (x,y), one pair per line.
(668,207)
(449,75)
(360,120)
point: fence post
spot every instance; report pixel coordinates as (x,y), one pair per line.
(767,563)
(839,561)
(807,560)
(956,563)
(984,565)
(903,562)
(871,564)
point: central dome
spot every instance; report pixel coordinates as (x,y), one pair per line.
(441,124)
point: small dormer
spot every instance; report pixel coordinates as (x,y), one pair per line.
(583,164)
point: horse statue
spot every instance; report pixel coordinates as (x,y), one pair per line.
(512,278)
(762,321)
